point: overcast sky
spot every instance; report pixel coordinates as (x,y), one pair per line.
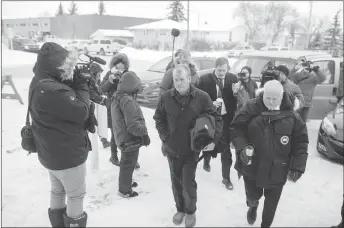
(216,13)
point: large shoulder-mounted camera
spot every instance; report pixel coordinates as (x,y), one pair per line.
(82,68)
(270,73)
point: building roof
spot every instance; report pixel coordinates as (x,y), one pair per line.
(170,24)
(118,33)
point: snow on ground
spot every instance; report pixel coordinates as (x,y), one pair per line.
(313,201)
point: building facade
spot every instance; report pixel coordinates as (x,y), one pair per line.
(27,27)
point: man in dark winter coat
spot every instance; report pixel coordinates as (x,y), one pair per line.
(129,129)
(176,113)
(341,224)
(119,64)
(307,78)
(59,110)
(219,85)
(270,119)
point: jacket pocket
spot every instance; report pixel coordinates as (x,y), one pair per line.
(279,171)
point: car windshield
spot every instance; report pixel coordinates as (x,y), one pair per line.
(238,47)
(257,63)
(161,65)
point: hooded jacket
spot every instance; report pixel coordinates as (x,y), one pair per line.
(127,118)
(203,133)
(59,110)
(280,139)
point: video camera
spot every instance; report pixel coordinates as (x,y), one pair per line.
(270,73)
(82,69)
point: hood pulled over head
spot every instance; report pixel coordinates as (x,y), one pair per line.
(129,83)
(56,61)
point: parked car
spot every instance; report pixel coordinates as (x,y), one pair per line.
(103,46)
(238,50)
(77,44)
(330,136)
(25,45)
(324,92)
(151,78)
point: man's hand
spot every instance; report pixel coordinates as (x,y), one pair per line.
(146,140)
(244,158)
(216,104)
(294,175)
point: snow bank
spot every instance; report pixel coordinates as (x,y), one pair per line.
(12,58)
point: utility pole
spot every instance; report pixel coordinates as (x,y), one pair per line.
(188,27)
(309,23)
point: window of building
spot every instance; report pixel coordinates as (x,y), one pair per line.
(35,24)
(23,25)
(8,25)
(46,24)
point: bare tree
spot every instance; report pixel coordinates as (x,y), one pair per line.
(101,8)
(282,16)
(250,14)
(73,8)
(60,10)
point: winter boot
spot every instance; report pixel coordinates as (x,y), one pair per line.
(206,165)
(114,158)
(252,215)
(105,142)
(228,184)
(56,217)
(178,218)
(137,166)
(190,220)
(79,222)
(128,194)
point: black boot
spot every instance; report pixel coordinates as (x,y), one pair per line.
(206,164)
(128,194)
(80,222)
(228,184)
(56,217)
(252,215)
(105,142)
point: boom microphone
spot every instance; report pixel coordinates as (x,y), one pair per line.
(96,59)
(175,32)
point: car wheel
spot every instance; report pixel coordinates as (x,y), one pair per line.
(85,50)
(102,52)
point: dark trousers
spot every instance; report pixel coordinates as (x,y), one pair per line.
(127,166)
(304,111)
(272,196)
(226,161)
(184,186)
(113,144)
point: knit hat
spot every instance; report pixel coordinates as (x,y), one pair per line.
(284,69)
(248,69)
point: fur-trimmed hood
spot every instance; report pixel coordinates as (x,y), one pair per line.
(288,101)
(129,83)
(55,61)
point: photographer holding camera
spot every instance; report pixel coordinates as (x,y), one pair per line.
(307,77)
(281,73)
(59,104)
(119,64)
(246,87)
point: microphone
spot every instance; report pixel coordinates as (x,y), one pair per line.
(175,32)
(96,59)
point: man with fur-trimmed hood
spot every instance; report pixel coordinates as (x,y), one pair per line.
(129,129)
(60,107)
(271,142)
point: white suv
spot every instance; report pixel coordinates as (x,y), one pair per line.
(103,46)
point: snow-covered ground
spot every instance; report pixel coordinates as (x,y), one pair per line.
(314,201)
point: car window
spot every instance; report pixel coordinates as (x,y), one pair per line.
(207,64)
(102,42)
(272,49)
(95,41)
(257,63)
(328,68)
(107,41)
(161,65)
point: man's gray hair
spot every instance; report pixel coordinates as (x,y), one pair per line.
(182,67)
(274,85)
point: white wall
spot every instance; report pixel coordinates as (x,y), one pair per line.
(238,34)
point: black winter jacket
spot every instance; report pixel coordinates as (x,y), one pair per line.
(280,139)
(174,121)
(58,111)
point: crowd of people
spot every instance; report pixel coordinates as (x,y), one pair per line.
(194,115)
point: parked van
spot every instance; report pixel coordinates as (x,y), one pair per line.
(103,46)
(324,94)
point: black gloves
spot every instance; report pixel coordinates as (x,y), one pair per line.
(243,156)
(315,69)
(294,175)
(91,122)
(146,140)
